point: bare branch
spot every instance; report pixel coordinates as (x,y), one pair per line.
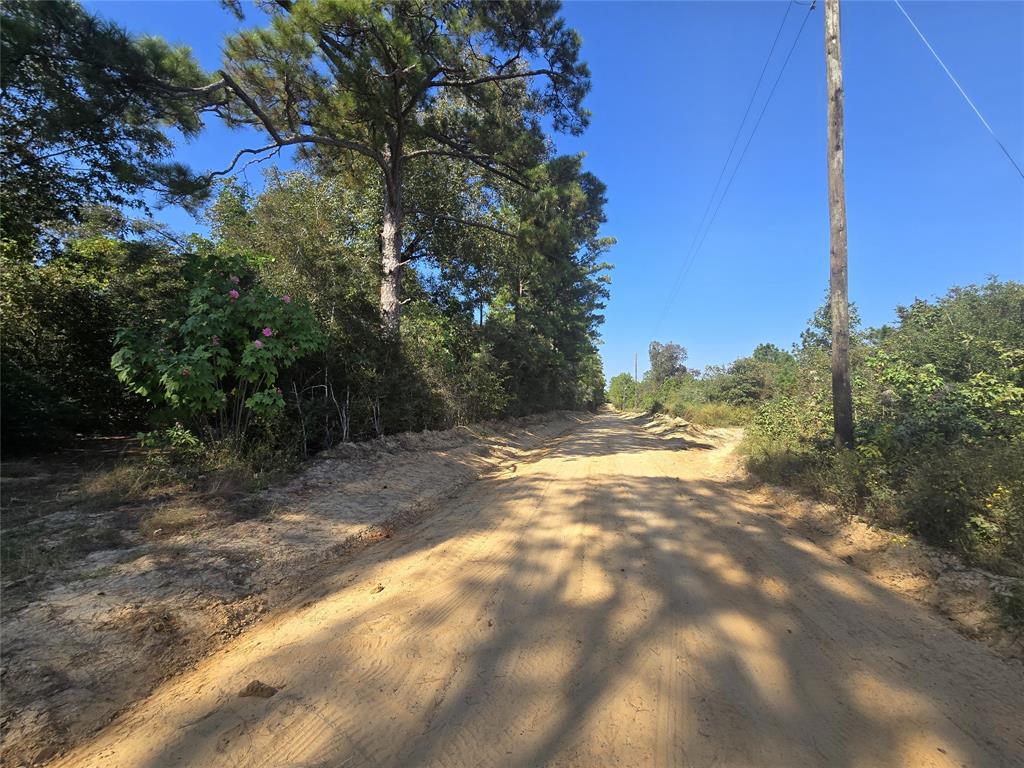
(446,83)
(466,222)
(277,145)
(183,90)
(400,73)
(250,102)
(238,156)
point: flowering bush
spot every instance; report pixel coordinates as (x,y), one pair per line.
(218,363)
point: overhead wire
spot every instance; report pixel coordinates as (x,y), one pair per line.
(753,131)
(699,238)
(702,230)
(959,87)
(743,122)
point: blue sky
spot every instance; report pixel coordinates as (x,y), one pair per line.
(932,202)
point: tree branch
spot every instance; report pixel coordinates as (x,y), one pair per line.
(238,156)
(183,90)
(250,102)
(408,250)
(446,83)
(481,161)
(466,222)
(283,140)
(287,141)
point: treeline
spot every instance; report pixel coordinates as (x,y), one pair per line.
(430,262)
(939,405)
(717,396)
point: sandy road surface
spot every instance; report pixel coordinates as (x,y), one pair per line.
(619,600)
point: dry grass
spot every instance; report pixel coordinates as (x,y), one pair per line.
(132,482)
(175,518)
(57,510)
(712,414)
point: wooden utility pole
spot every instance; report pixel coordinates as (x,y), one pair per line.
(842,398)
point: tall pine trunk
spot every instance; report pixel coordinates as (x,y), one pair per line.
(391,249)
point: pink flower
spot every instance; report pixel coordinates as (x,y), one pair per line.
(268,332)
(233,294)
(186,372)
(258,344)
(286,299)
(215,341)
(234,279)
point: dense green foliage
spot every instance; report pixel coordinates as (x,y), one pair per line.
(216,361)
(455,90)
(84,108)
(267,335)
(58,319)
(939,401)
(716,397)
(493,326)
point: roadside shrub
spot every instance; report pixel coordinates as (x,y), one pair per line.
(175,445)
(837,477)
(59,313)
(939,402)
(972,500)
(941,498)
(710,414)
(217,365)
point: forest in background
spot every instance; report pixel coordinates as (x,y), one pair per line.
(430,260)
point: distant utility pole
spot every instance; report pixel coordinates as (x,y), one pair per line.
(842,398)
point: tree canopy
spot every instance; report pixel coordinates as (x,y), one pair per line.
(85,109)
(402,83)
(666,360)
(426,186)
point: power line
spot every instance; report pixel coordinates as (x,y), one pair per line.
(739,129)
(688,263)
(959,87)
(754,131)
(725,165)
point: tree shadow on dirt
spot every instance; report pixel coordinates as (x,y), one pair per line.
(598,614)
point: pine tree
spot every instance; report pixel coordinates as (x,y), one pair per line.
(396,82)
(84,107)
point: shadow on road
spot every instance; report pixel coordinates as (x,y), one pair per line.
(622,613)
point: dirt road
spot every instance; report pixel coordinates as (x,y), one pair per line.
(622,599)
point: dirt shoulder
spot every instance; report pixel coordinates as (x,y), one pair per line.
(95,634)
(966,596)
(622,598)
